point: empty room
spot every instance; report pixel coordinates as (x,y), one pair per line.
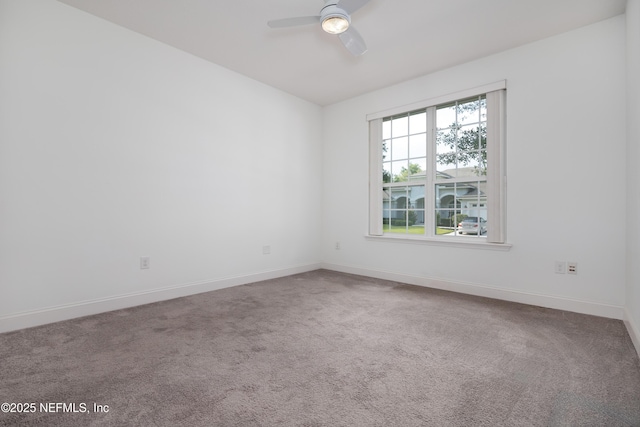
(320,213)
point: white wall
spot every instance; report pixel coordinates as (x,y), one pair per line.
(114,146)
(633,172)
(565,158)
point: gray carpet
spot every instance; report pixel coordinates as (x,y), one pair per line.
(325,349)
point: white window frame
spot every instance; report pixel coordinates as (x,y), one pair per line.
(496,170)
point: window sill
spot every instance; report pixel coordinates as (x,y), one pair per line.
(459,242)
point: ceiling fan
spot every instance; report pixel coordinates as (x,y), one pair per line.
(335,18)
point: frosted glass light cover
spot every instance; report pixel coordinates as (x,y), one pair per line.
(335,25)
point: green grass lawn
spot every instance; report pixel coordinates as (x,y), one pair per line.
(413,229)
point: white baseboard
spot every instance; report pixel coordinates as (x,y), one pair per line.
(86,308)
(633,329)
(548,301)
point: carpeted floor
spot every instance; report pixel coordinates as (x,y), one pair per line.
(324,349)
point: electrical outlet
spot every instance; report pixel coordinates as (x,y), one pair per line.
(560,267)
(266,250)
(572,267)
(337,246)
(145,263)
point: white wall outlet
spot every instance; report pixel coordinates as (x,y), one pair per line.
(145,263)
(337,246)
(560,267)
(266,250)
(572,267)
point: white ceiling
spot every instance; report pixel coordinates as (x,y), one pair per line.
(406,38)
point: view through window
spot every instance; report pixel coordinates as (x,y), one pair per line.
(436,169)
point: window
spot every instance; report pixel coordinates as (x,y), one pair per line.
(437,168)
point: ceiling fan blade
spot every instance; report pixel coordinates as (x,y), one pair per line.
(353,41)
(351,6)
(293,22)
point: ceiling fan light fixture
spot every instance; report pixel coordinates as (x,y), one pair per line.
(335,19)
(335,24)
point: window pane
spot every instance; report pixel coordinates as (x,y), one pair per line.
(398,197)
(399,171)
(400,126)
(416,196)
(483,108)
(386,172)
(414,170)
(417,169)
(398,211)
(446,140)
(472,197)
(403,210)
(469,137)
(445,196)
(482,164)
(445,172)
(445,160)
(400,148)
(418,122)
(469,111)
(445,150)
(472,222)
(418,145)
(386,129)
(445,221)
(482,195)
(445,116)
(415,214)
(467,160)
(457,202)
